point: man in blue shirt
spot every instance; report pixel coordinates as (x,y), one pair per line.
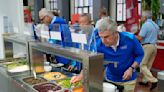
(148,36)
(122,48)
(50,20)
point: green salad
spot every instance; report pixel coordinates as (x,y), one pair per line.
(16,63)
(65,83)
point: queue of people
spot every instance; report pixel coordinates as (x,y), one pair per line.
(121,47)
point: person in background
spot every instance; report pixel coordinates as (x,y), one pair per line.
(148,36)
(49,19)
(103,13)
(85,28)
(55,13)
(120,47)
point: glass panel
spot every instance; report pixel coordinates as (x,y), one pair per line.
(124,13)
(76,3)
(123,1)
(81,3)
(86,3)
(55,4)
(80,10)
(90,2)
(119,12)
(91,10)
(85,10)
(139,8)
(76,10)
(120,1)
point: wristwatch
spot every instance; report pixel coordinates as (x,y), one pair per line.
(133,68)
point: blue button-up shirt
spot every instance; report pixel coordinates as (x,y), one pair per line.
(149,32)
(128,51)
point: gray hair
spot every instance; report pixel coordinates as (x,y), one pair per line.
(147,14)
(45,12)
(106,24)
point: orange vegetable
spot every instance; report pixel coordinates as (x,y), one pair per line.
(79,89)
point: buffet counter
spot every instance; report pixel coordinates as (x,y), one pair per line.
(25,81)
(92,81)
(13,83)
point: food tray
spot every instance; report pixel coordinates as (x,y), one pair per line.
(31,81)
(65,83)
(48,87)
(53,75)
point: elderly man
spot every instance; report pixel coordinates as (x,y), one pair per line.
(50,20)
(148,37)
(120,47)
(47,17)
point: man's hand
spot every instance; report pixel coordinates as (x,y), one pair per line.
(77,78)
(70,68)
(128,74)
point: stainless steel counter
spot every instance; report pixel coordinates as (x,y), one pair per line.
(93,76)
(20,39)
(13,83)
(92,62)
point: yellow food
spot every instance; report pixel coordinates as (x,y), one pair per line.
(54,76)
(39,69)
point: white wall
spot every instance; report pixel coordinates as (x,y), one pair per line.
(17,17)
(2,12)
(47,5)
(2,5)
(14,10)
(16,13)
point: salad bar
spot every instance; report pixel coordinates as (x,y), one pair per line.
(31,75)
(44,82)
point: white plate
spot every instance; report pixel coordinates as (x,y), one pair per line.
(19,69)
(57,65)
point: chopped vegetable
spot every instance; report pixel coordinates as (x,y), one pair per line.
(65,83)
